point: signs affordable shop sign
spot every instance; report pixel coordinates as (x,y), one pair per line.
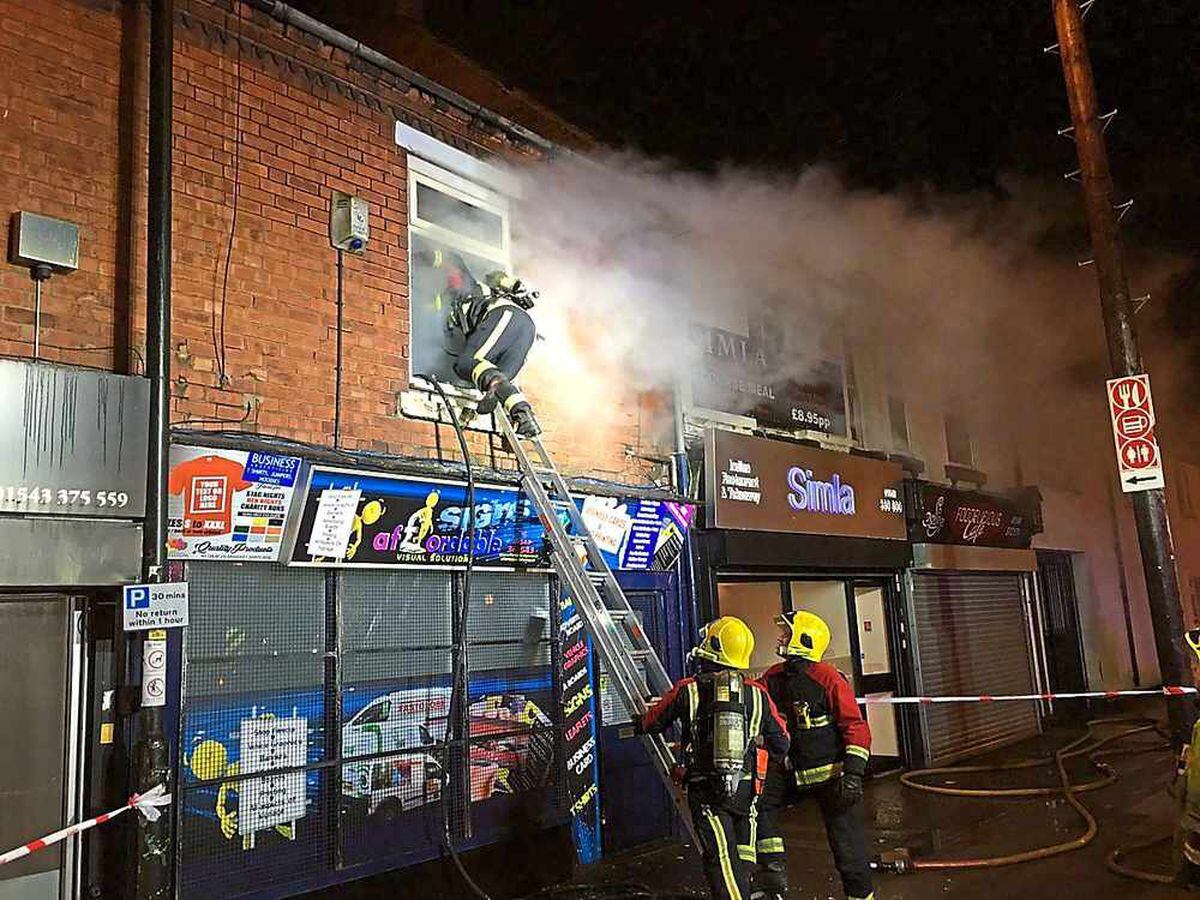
(352,518)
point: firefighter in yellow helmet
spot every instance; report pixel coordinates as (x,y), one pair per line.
(830,747)
(729,728)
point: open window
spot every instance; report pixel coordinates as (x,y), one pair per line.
(898,420)
(960,448)
(458,231)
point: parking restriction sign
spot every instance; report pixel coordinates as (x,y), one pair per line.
(1131,408)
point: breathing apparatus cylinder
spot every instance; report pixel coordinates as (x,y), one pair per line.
(729,728)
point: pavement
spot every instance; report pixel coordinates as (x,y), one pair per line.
(1135,808)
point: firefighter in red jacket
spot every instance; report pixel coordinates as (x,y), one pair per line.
(831,744)
(729,730)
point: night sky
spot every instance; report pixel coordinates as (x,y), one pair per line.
(945,94)
(949,95)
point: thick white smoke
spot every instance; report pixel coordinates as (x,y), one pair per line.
(951,299)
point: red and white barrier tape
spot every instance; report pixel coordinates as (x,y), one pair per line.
(1166,691)
(147,804)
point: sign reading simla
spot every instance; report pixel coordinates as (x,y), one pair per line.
(764,485)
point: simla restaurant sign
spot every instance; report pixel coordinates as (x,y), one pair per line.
(756,484)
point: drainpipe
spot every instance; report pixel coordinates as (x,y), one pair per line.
(687,624)
(154,845)
(288,15)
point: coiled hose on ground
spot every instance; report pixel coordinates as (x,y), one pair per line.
(1090,745)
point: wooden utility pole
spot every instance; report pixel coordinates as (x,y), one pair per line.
(1125,358)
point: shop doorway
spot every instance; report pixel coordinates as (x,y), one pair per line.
(635,805)
(1058,610)
(859,613)
(40,676)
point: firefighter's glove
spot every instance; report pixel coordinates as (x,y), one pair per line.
(849,790)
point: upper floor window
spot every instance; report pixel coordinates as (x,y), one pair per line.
(960,449)
(453,225)
(898,418)
(1187,505)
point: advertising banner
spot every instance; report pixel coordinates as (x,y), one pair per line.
(579,734)
(228,504)
(763,485)
(748,375)
(368,519)
(970,518)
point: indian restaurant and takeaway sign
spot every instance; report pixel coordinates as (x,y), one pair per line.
(755,484)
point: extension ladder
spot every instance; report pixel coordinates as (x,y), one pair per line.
(634,668)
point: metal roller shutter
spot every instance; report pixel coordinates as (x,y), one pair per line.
(972,638)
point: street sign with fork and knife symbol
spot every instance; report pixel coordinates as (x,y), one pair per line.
(1131,408)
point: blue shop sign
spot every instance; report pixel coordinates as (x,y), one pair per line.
(371,519)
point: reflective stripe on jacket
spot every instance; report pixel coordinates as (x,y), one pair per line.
(829,733)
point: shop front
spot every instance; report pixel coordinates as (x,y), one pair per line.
(788,527)
(72,493)
(976,628)
(318,737)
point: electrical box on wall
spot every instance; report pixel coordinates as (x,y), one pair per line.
(42,241)
(348,222)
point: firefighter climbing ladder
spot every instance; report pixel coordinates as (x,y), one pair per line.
(634,668)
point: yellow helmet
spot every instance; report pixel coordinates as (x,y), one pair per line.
(1193,638)
(726,641)
(803,634)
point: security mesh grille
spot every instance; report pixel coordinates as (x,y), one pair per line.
(396,635)
(514,713)
(972,638)
(254,703)
(338,685)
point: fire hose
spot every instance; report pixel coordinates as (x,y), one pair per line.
(458,675)
(1089,745)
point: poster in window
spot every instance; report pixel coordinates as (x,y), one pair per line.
(228,504)
(225,739)
(393,735)
(748,375)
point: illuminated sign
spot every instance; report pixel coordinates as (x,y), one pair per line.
(755,484)
(808,493)
(356,519)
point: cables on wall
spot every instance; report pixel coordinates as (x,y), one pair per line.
(218,332)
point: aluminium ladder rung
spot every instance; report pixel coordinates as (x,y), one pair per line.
(634,669)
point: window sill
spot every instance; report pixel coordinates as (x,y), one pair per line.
(965,474)
(910,464)
(424,404)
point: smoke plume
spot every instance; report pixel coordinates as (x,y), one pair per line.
(952,300)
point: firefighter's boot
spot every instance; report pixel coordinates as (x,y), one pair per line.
(524,421)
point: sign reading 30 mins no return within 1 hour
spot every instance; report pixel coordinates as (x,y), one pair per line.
(147,606)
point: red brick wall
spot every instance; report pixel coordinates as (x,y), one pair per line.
(58,156)
(301,139)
